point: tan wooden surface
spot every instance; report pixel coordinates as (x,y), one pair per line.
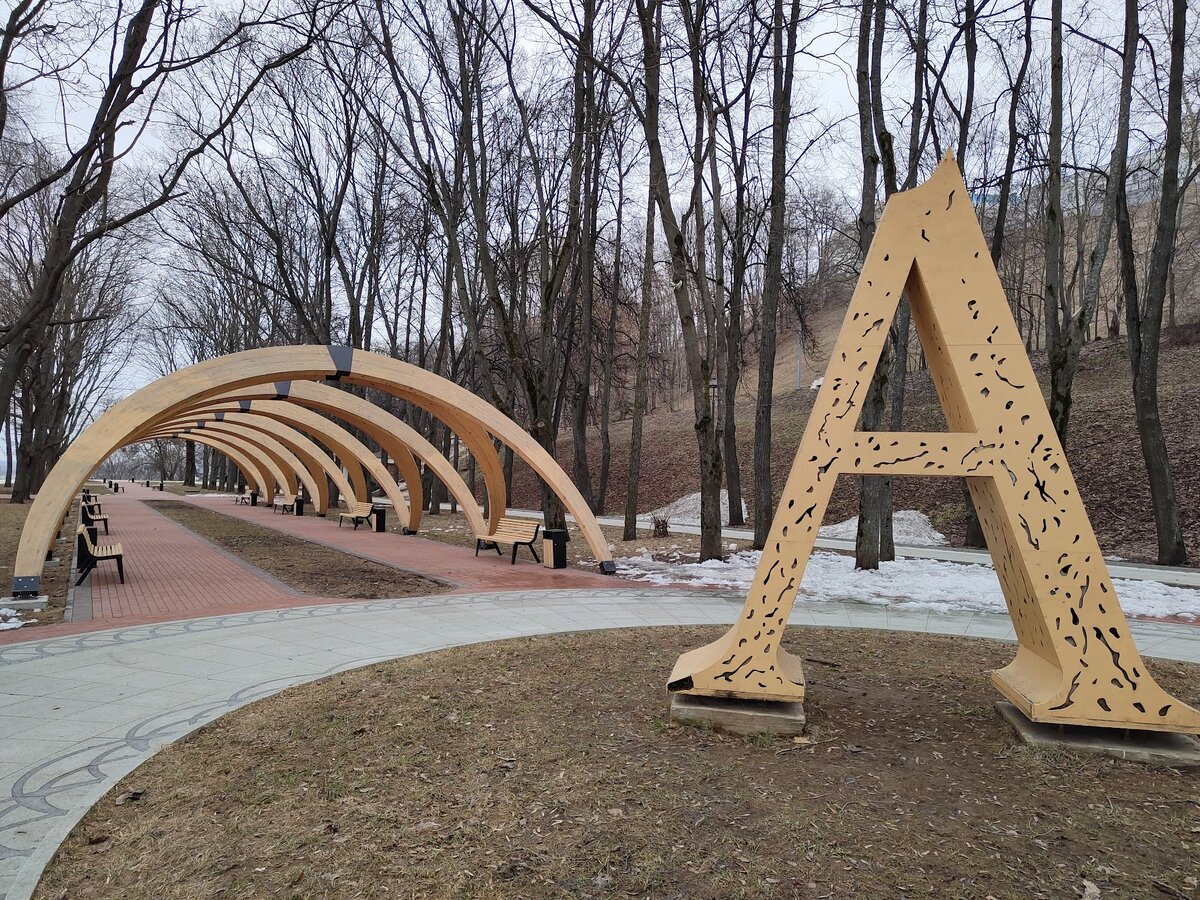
(349,449)
(510,529)
(293,469)
(1076,662)
(164,399)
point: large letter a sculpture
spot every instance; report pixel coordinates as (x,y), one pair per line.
(1076,662)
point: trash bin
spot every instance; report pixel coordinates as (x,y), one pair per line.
(379,514)
(254,498)
(554,548)
(160,485)
(299,506)
(147,484)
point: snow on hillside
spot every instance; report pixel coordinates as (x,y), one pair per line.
(905,583)
(909,527)
(686,510)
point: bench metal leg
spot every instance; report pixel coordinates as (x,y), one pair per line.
(106,526)
(121,569)
(536,558)
(84,572)
(477,543)
(514,554)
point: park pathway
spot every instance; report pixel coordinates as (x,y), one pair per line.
(173,573)
(196,633)
(78,713)
(170,571)
(448,563)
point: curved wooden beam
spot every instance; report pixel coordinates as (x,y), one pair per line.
(300,454)
(248,461)
(164,399)
(278,468)
(352,452)
(294,466)
(472,434)
(321,466)
(397,437)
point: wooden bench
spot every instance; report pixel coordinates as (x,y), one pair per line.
(89,515)
(89,555)
(511,530)
(358,513)
(243,497)
(285,503)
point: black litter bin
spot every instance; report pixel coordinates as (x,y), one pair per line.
(147,484)
(554,548)
(379,514)
(299,506)
(160,485)
(254,498)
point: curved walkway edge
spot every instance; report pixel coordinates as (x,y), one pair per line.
(78,713)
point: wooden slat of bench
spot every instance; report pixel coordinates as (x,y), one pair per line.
(507,537)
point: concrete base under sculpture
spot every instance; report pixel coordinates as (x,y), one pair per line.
(738,716)
(1156,748)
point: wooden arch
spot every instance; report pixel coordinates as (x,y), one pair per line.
(400,440)
(319,465)
(164,399)
(352,453)
(345,446)
(246,461)
(287,464)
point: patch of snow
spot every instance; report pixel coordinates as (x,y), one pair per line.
(909,527)
(686,510)
(10,619)
(816,385)
(925,584)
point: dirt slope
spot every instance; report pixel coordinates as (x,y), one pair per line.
(1102,445)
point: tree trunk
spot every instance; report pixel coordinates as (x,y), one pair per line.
(189,464)
(639,383)
(610,347)
(1144,321)
(699,365)
(9,422)
(782,69)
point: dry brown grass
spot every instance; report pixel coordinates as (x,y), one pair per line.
(545,767)
(55,578)
(312,568)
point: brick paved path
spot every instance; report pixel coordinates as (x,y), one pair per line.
(172,573)
(443,562)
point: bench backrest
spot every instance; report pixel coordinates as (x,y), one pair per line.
(87,550)
(362,509)
(284,499)
(522,530)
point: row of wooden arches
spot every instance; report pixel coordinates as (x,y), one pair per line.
(276,416)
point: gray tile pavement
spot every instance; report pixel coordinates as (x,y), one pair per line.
(78,713)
